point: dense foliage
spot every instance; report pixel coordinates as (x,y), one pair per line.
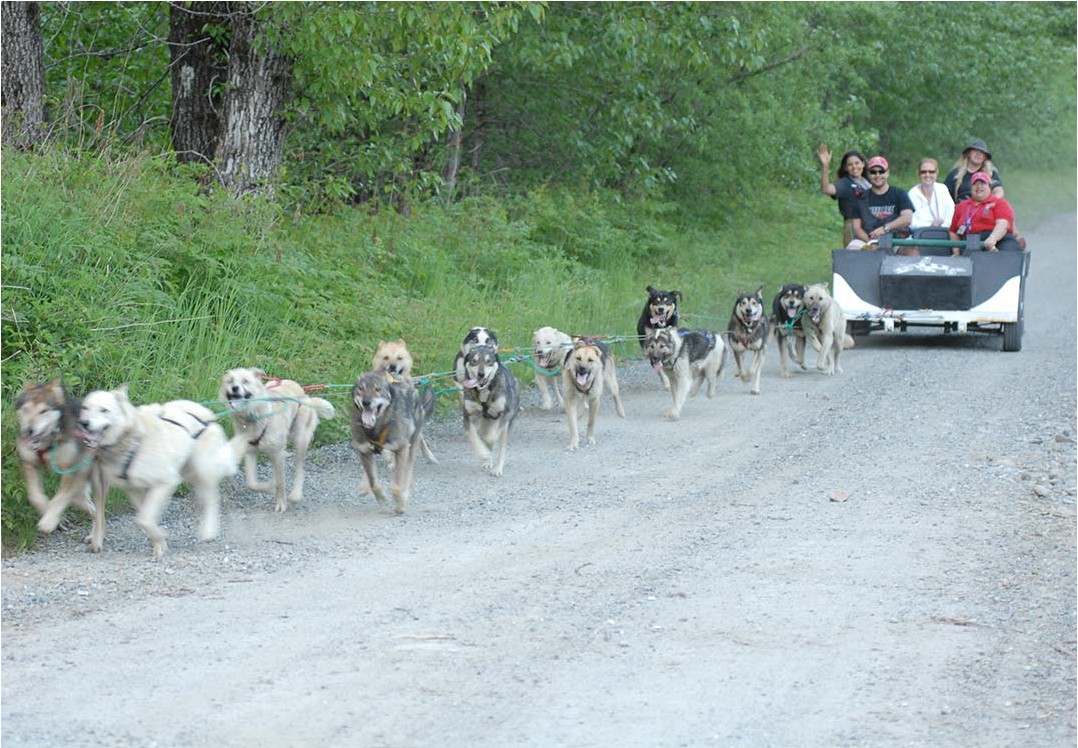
(703,98)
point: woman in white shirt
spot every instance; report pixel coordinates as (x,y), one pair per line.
(932,204)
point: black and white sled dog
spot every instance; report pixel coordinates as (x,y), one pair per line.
(660,310)
(388,417)
(787,326)
(588,370)
(689,357)
(490,399)
(551,347)
(825,327)
(747,334)
(269,416)
(149,450)
(48,442)
(476,336)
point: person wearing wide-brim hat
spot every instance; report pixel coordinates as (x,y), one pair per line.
(976,157)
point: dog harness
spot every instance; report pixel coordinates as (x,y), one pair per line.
(789,325)
(378,441)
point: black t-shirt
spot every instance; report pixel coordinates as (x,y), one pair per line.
(965,189)
(876,210)
(848,193)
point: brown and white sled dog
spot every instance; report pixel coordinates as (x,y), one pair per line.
(825,327)
(747,333)
(551,348)
(588,370)
(387,418)
(787,309)
(47,441)
(394,358)
(689,358)
(149,450)
(490,402)
(269,416)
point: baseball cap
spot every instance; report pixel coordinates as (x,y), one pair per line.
(980,176)
(878,161)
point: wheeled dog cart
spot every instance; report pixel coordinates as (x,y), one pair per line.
(976,291)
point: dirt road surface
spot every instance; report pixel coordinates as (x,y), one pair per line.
(674,585)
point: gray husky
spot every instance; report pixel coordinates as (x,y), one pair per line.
(747,333)
(491,399)
(388,416)
(695,356)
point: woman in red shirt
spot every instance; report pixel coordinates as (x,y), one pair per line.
(985,215)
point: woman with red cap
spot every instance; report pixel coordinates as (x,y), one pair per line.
(986,216)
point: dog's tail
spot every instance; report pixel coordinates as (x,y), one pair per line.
(847,341)
(427,398)
(323,408)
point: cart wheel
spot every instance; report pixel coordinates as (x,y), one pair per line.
(1012,336)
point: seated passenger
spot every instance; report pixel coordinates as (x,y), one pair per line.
(932,204)
(984,215)
(883,210)
(975,158)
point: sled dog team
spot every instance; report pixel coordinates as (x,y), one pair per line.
(149,450)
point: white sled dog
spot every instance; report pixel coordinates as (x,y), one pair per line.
(149,450)
(269,416)
(551,348)
(825,327)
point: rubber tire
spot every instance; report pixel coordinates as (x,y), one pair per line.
(1012,336)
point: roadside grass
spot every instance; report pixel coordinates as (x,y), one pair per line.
(131,271)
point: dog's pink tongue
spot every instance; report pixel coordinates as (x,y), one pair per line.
(368,416)
(470,384)
(582,379)
(658,367)
(658,319)
(543,359)
(791,312)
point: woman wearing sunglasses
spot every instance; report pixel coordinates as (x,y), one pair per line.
(932,204)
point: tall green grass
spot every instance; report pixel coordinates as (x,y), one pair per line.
(133,271)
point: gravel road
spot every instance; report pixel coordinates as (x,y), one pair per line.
(675,585)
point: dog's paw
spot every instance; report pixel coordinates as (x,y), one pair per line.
(573,446)
(209,531)
(280,506)
(754,391)
(672,415)
(496,471)
(295,497)
(160,547)
(48,523)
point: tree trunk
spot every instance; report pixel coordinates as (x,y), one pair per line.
(479,92)
(259,87)
(197,63)
(453,146)
(22,92)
